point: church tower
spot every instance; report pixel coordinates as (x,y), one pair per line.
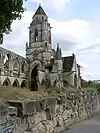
(39,49)
(39,36)
(40,29)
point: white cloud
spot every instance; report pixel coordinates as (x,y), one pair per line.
(76,31)
(56,5)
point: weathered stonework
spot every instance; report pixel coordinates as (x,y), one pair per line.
(53,115)
(42,64)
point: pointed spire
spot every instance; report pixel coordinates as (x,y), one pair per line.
(60,52)
(58,55)
(40,4)
(57,46)
(26,44)
(40,11)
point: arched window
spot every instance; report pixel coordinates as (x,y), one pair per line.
(36,34)
(42,17)
(16,83)
(24,84)
(16,64)
(7,61)
(36,18)
(75,80)
(23,67)
(7,82)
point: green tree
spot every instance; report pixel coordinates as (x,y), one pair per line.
(9,10)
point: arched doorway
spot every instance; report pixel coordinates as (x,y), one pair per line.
(16,83)
(24,84)
(34,74)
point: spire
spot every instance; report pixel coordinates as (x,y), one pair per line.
(60,52)
(57,46)
(40,11)
(58,55)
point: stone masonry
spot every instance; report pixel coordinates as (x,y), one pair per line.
(42,63)
(53,114)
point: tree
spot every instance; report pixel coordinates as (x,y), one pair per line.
(9,10)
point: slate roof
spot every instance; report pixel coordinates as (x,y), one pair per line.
(40,11)
(68,63)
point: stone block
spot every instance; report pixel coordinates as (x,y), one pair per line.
(49,126)
(38,106)
(59,120)
(57,109)
(54,122)
(29,107)
(65,115)
(40,117)
(43,104)
(41,128)
(51,102)
(3,109)
(53,111)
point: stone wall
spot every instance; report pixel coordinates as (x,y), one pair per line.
(54,114)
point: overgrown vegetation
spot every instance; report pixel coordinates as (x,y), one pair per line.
(10,93)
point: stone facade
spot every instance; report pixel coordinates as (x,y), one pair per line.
(53,114)
(42,63)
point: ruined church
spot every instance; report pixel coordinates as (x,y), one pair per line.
(43,64)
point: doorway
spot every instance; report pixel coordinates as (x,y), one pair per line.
(34,74)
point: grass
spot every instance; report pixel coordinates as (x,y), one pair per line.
(10,93)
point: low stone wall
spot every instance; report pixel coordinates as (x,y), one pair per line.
(54,114)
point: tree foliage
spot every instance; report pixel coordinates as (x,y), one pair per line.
(9,10)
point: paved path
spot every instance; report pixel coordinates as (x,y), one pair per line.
(89,126)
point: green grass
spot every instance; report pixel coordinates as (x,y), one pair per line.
(10,93)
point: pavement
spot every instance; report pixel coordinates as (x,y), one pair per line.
(89,126)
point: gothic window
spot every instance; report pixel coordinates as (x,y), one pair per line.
(23,67)
(7,82)
(6,61)
(42,17)
(23,84)
(16,83)
(36,18)
(36,34)
(15,65)
(45,44)
(75,80)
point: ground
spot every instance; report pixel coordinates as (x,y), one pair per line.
(89,126)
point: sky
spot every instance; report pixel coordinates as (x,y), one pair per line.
(76,27)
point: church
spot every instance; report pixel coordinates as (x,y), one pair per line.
(43,64)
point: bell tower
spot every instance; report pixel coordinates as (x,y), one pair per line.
(39,49)
(39,30)
(39,38)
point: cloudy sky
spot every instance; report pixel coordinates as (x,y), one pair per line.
(76,26)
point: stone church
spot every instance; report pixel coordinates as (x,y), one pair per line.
(43,64)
